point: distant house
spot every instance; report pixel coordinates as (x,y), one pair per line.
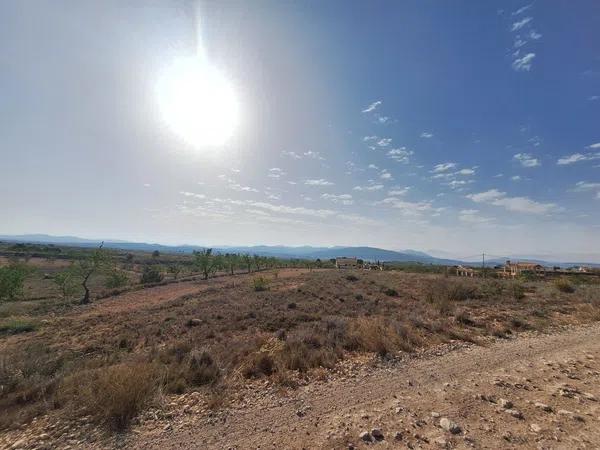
(515,269)
(346,263)
(462,271)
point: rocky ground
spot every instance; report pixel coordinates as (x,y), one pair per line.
(534,391)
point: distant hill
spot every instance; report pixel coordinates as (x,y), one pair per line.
(279,251)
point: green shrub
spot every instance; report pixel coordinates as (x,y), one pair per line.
(116,279)
(564,285)
(390,292)
(151,275)
(260,284)
(16,326)
(12,278)
(517,290)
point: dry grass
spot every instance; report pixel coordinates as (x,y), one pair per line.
(112,395)
(301,326)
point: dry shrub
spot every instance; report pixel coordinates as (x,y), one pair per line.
(259,364)
(378,336)
(516,290)
(441,293)
(260,284)
(188,366)
(112,395)
(564,285)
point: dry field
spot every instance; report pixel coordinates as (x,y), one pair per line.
(97,375)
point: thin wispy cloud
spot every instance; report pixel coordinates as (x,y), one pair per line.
(401,155)
(368,188)
(344,199)
(526,160)
(318,182)
(524,63)
(577,157)
(443,167)
(516,26)
(514,204)
(372,107)
(276,172)
(426,135)
(522,9)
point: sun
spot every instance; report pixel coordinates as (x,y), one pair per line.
(198,103)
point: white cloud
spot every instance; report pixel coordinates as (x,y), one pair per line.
(585,186)
(383,119)
(313,155)
(292,155)
(276,172)
(466,172)
(534,35)
(521,23)
(384,142)
(516,178)
(372,187)
(594,146)
(370,138)
(593,98)
(444,167)
(147,185)
(398,191)
(527,160)
(426,135)
(524,63)
(407,208)
(192,194)
(401,155)
(515,204)
(472,216)
(385,175)
(522,10)
(344,199)
(319,182)
(576,157)
(373,166)
(240,188)
(372,107)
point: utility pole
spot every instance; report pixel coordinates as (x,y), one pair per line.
(483,264)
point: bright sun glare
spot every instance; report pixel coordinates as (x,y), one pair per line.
(198,103)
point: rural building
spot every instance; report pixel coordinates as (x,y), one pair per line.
(511,269)
(462,271)
(346,263)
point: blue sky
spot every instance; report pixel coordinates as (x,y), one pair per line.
(457,127)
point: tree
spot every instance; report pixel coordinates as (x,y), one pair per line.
(85,268)
(257,262)
(247,261)
(67,282)
(230,261)
(204,260)
(116,278)
(155,254)
(12,278)
(175,270)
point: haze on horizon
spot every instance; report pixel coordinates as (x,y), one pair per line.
(461,127)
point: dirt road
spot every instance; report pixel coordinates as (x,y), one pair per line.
(530,392)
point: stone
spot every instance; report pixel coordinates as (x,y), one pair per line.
(435,415)
(365,436)
(450,426)
(589,396)
(506,404)
(535,428)
(543,406)
(515,413)
(441,442)
(398,436)
(377,434)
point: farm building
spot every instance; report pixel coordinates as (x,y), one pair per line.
(346,263)
(462,271)
(511,269)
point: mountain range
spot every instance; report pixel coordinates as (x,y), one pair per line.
(280,251)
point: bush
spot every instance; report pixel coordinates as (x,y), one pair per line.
(351,277)
(390,292)
(113,395)
(151,275)
(517,290)
(16,326)
(261,284)
(116,279)
(564,285)
(12,278)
